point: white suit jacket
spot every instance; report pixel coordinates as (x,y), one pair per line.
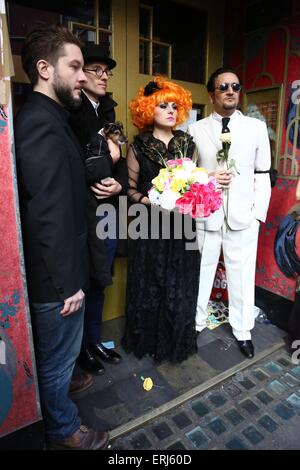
(249,193)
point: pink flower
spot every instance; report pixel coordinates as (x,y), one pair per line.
(201,200)
(177,162)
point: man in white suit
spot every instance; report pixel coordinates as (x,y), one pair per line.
(234,227)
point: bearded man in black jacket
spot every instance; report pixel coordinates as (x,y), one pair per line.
(52,196)
(97,109)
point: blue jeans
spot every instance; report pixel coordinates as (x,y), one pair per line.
(57,342)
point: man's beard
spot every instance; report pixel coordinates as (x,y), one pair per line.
(64,94)
(229,107)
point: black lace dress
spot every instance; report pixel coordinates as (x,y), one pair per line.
(162,282)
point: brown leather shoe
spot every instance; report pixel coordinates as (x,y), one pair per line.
(83,439)
(80,382)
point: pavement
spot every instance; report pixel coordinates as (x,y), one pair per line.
(216,399)
(256,409)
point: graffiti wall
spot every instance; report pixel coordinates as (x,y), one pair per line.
(265,52)
(19,402)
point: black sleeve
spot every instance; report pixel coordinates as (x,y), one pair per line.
(46,178)
(120,174)
(98,161)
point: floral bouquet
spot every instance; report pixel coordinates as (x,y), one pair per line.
(181,184)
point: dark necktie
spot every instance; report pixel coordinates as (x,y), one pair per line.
(225,122)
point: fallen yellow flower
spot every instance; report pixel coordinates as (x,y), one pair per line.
(147,384)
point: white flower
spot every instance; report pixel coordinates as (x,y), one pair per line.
(181,175)
(188,165)
(168,199)
(154,196)
(200,177)
(225,138)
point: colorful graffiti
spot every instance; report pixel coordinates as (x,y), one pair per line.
(19,402)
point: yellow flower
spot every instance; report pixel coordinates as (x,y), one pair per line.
(178,185)
(147,384)
(200,168)
(163,172)
(159,183)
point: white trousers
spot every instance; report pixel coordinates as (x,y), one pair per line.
(239,250)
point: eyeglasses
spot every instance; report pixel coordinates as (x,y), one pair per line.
(99,72)
(224,87)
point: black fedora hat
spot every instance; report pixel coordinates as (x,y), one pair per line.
(97,53)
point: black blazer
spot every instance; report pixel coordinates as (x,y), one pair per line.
(86,124)
(52,194)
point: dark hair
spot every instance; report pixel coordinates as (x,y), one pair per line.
(45,42)
(210,86)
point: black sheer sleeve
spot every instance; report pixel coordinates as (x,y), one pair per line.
(133,178)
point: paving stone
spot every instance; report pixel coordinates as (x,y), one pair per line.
(234,416)
(260,374)
(249,406)
(283,411)
(289,379)
(294,400)
(217,399)
(272,367)
(232,390)
(221,355)
(253,435)
(140,442)
(181,420)
(268,423)
(247,384)
(176,446)
(217,426)
(296,371)
(162,431)
(277,387)
(264,397)
(198,437)
(284,362)
(200,409)
(235,444)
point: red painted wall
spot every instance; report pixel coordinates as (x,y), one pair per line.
(19,405)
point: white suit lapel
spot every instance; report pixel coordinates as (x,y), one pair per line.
(211,132)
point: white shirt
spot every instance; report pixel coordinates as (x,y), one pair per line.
(95,104)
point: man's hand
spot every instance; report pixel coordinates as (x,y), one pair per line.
(107,188)
(114,150)
(72,304)
(223,177)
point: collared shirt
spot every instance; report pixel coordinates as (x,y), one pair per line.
(95,104)
(218,117)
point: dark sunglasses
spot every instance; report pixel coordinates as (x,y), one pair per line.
(224,87)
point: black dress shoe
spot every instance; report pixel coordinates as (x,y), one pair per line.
(89,362)
(108,355)
(246,347)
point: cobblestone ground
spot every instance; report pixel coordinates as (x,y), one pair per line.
(258,408)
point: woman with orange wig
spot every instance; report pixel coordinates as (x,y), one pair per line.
(162,280)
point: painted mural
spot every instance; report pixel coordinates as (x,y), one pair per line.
(269,59)
(19,402)
(19,405)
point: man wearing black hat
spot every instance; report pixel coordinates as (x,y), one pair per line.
(97,108)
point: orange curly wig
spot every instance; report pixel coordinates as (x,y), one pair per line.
(142,107)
